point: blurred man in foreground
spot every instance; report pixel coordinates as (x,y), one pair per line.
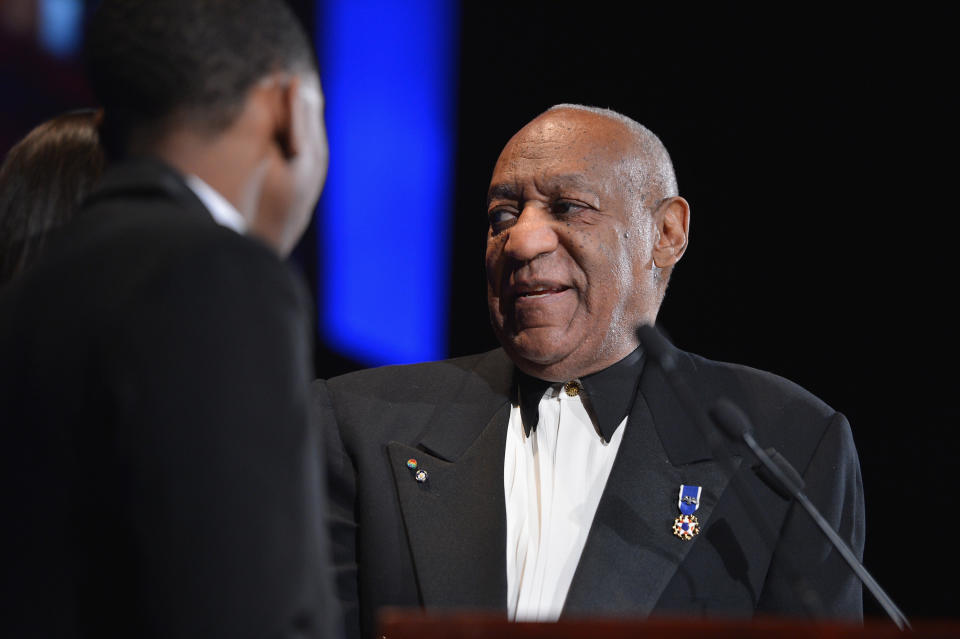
(159,470)
(553,477)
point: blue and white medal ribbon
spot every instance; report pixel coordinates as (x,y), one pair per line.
(686,525)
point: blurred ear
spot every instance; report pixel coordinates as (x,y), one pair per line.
(286,105)
(672,219)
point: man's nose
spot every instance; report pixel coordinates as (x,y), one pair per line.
(532,235)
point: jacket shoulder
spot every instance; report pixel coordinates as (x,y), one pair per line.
(746,383)
(423,382)
(784,414)
(397,402)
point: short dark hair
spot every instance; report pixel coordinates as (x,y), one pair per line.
(152,60)
(43,180)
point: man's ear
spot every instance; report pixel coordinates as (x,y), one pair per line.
(285,116)
(672,220)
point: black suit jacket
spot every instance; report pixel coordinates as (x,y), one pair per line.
(441,543)
(158,475)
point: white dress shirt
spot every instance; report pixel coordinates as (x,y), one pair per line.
(553,480)
(221,210)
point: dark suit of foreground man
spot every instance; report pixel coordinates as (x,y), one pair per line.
(540,516)
(159,469)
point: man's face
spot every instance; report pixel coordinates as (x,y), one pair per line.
(291,185)
(569,260)
(310,166)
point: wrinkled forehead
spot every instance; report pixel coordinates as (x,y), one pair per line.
(567,140)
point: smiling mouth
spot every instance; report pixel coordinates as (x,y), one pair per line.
(541,291)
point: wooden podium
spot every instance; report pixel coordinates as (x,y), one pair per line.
(415,624)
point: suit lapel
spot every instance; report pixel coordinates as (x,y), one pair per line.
(455,519)
(631,553)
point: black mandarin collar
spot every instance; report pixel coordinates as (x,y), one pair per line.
(610,394)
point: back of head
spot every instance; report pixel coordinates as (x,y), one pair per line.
(160,63)
(43,180)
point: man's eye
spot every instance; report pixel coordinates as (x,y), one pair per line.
(564,207)
(501,218)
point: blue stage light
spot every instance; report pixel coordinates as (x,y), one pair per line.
(60,26)
(389,71)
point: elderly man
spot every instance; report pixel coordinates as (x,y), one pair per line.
(544,479)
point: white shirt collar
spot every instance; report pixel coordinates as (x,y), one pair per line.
(221,210)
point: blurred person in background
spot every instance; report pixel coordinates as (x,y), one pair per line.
(159,467)
(43,181)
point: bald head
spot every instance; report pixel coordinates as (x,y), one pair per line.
(585,223)
(648,162)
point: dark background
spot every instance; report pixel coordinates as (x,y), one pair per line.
(817,149)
